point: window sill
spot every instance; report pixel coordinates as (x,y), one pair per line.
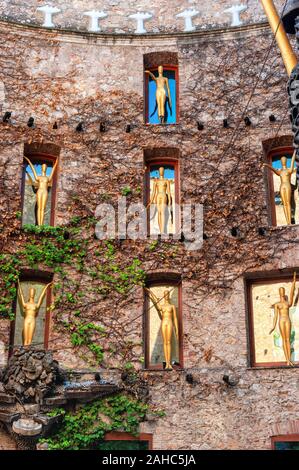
(256,368)
(163,127)
(281,227)
(176,369)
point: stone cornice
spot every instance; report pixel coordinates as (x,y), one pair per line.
(69,35)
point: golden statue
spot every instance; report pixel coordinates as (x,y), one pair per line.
(168,317)
(42,183)
(30,311)
(161,83)
(161,196)
(282,309)
(285,175)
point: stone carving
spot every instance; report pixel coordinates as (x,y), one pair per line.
(211,15)
(48,11)
(141,18)
(27,427)
(95,16)
(235,11)
(31,374)
(32,384)
(188,15)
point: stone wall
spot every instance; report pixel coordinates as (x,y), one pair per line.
(69,78)
(71,14)
(6,441)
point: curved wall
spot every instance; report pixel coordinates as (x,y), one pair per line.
(71,77)
(162,14)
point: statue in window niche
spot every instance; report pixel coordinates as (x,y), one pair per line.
(42,183)
(161,196)
(285,175)
(168,317)
(161,84)
(30,311)
(282,311)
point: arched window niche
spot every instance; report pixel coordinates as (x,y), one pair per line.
(43,158)
(163,326)
(278,151)
(37,280)
(165,63)
(162,166)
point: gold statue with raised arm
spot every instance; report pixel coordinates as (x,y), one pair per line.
(161,196)
(282,310)
(161,84)
(42,183)
(285,175)
(30,311)
(168,317)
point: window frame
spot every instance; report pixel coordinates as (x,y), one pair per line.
(42,278)
(283,438)
(153,69)
(146,324)
(125,436)
(250,282)
(276,152)
(44,158)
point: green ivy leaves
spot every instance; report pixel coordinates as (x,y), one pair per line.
(62,247)
(89,424)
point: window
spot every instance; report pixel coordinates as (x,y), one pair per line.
(125,441)
(161,107)
(33,283)
(277,158)
(286,442)
(162,190)
(273,343)
(163,324)
(37,207)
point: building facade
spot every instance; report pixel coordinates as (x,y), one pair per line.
(74,78)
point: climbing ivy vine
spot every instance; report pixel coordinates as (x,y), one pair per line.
(87,426)
(66,250)
(85,272)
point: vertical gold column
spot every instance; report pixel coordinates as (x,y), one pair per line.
(288,56)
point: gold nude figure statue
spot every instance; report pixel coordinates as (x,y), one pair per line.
(161,83)
(282,310)
(168,317)
(30,311)
(161,196)
(285,175)
(42,183)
